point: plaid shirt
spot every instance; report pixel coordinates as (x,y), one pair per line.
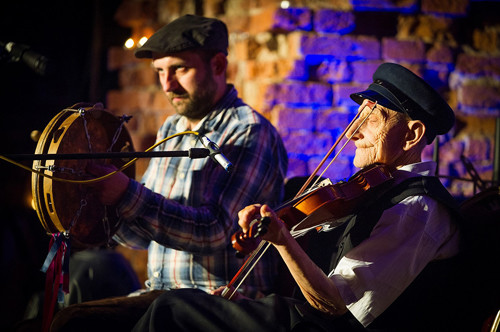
(186,211)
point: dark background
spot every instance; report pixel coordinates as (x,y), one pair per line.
(74,36)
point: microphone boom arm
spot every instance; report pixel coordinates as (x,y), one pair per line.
(192,153)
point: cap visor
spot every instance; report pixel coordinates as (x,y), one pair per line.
(142,53)
(374,96)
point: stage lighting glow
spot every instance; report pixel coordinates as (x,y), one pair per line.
(142,41)
(129,43)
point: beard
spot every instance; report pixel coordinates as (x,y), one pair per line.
(199,103)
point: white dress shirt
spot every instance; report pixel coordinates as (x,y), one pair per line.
(407,237)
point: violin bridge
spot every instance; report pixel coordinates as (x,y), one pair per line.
(324,183)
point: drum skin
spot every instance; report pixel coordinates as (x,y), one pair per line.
(73,207)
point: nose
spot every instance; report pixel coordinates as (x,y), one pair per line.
(354,132)
(169,82)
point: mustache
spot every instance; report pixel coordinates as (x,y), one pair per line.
(363,146)
(179,94)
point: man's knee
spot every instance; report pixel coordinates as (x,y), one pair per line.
(177,310)
(113,314)
(71,318)
(178,299)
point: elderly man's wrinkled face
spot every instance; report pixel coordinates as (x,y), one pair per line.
(381,137)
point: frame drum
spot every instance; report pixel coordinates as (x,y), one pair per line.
(72,207)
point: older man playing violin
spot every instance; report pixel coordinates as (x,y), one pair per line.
(397,249)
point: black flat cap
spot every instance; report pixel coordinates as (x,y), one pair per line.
(399,89)
(187,32)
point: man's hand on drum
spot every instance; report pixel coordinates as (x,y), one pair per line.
(111,189)
(276,229)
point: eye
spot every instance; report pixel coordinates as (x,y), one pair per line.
(180,69)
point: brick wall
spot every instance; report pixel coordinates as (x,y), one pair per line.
(298,65)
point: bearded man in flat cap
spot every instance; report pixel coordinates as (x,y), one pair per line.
(397,251)
(185,210)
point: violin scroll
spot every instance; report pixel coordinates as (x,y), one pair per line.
(246,242)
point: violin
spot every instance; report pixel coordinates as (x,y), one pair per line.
(322,207)
(317,208)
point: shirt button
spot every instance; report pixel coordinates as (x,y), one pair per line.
(156,274)
(182,175)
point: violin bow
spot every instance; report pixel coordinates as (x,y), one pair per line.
(316,170)
(256,255)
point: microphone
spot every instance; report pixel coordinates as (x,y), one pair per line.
(23,53)
(215,153)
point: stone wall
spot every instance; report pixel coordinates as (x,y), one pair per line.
(297,65)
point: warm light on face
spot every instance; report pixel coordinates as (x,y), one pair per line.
(129,43)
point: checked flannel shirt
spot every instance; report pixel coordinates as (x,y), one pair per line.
(187,209)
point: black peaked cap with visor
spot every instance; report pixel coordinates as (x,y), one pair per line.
(188,32)
(399,89)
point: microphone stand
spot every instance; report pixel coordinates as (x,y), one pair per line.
(192,153)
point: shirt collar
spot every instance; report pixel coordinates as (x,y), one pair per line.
(425,168)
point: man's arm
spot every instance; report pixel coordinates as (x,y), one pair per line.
(206,224)
(318,289)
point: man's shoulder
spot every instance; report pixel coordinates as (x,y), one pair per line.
(244,116)
(421,185)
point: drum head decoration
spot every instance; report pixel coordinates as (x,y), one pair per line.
(73,207)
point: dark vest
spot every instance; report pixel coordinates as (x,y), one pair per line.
(424,305)
(360,225)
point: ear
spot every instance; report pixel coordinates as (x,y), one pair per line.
(414,135)
(219,64)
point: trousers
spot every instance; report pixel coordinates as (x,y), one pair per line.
(112,314)
(194,310)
